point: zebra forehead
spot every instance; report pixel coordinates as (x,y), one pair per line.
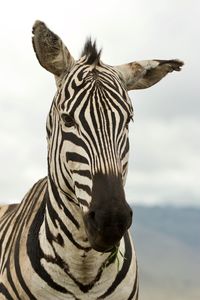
(90,51)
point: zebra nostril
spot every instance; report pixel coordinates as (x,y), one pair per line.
(92,218)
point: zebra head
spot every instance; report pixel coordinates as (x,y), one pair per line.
(87,131)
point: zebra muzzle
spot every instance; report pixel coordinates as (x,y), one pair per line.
(109,215)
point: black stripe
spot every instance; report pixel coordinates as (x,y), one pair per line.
(18,267)
(55,218)
(68,82)
(122,273)
(60,204)
(84,120)
(22,208)
(76,157)
(84,173)
(36,195)
(35,253)
(10,280)
(50,237)
(70,236)
(38,192)
(83,202)
(6,247)
(125,166)
(69,136)
(99,124)
(83,187)
(4,291)
(126,149)
(135,288)
(19,224)
(84,88)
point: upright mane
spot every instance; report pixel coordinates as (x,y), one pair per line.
(91,52)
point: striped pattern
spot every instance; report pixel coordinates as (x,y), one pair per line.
(33,268)
(44,247)
(101,110)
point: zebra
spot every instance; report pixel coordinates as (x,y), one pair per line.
(69,237)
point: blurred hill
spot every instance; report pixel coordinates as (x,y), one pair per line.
(167,241)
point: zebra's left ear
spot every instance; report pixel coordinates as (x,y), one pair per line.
(143,74)
(51,52)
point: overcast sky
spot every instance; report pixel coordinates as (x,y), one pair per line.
(165,137)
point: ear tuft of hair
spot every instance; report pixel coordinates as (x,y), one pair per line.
(91,52)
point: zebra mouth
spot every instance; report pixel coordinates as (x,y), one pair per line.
(103,249)
(99,244)
(102,240)
(97,239)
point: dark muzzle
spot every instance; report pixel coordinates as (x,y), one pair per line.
(109,215)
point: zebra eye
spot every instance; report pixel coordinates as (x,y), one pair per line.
(68,120)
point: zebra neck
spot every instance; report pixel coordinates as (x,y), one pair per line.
(64,242)
(64,217)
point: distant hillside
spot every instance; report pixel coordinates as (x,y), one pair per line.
(167,242)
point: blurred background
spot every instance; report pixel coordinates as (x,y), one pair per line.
(163,183)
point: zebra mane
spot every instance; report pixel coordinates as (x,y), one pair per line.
(90,51)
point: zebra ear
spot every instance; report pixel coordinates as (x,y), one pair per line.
(50,50)
(143,74)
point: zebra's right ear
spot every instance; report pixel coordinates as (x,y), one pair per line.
(51,52)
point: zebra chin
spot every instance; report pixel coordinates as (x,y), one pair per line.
(98,243)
